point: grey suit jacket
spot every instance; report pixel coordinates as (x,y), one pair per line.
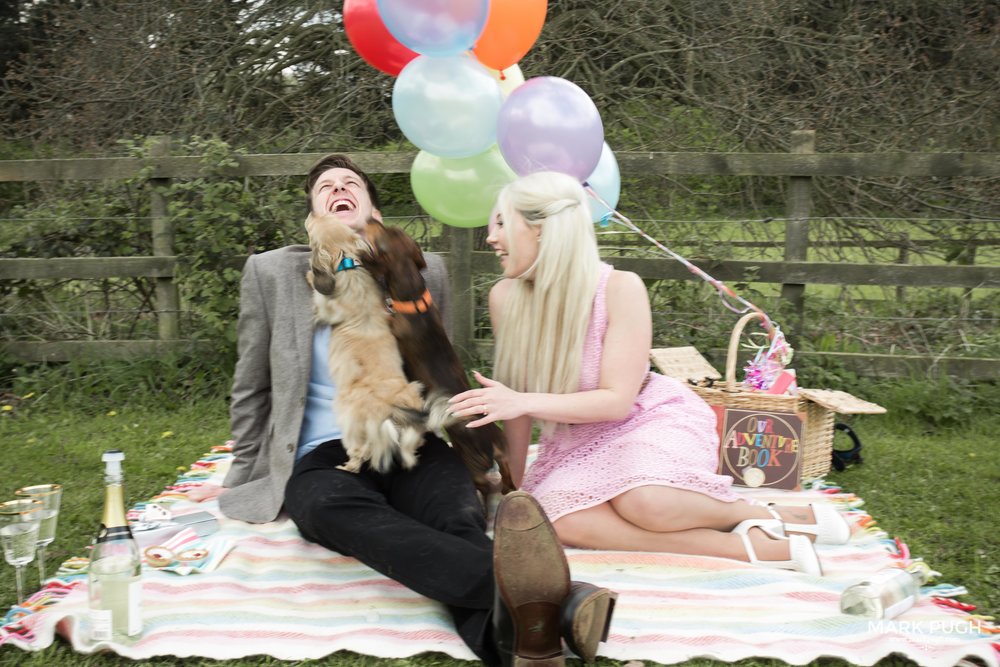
(272,373)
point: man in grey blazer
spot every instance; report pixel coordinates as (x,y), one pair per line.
(423,527)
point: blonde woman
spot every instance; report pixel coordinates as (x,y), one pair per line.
(627,457)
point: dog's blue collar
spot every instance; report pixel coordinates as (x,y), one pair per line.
(347,263)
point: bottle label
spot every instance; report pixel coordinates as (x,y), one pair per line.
(894,610)
(100,624)
(106,534)
(134,608)
(886,594)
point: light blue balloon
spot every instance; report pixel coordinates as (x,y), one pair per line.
(447,106)
(606,181)
(435,27)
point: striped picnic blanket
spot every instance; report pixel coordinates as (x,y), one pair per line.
(275,594)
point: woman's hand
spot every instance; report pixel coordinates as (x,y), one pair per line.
(204,492)
(492,402)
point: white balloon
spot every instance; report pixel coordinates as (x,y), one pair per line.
(509,79)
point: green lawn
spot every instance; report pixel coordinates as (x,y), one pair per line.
(937,489)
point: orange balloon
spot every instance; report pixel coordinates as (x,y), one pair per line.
(512,27)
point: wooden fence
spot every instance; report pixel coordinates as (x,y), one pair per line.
(799,166)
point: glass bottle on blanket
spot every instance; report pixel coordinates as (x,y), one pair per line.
(114,579)
(886,594)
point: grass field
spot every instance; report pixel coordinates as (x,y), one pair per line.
(930,479)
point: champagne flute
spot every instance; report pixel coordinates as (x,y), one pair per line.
(19,520)
(50,495)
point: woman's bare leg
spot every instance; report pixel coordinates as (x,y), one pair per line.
(666,509)
(795,513)
(601,527)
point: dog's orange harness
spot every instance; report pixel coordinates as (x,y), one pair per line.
(420,305)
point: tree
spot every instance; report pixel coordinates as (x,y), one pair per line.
(263,74)
(729,75)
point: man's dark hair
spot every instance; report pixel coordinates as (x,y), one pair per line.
(333,162)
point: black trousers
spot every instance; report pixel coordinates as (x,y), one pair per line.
(422,527)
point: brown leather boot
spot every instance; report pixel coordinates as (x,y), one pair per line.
(586,618)
(532,581)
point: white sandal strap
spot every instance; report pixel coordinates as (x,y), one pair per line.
(772,527)
(804,528)
(803,556)
(752,553)
(830,526)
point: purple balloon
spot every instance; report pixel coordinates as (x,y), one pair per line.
(435,27)
(550,124)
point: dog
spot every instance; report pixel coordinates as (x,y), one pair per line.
(428,356)
(380,412)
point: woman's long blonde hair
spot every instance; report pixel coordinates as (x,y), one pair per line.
(541,331)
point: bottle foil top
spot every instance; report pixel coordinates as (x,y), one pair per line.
(113,461)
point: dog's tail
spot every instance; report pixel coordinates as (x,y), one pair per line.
(479,448)
(503,468)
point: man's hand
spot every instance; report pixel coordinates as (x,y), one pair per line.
(205,492)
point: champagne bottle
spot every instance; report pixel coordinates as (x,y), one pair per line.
(114,574)
(885,594)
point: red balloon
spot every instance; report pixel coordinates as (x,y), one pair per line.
(371,39)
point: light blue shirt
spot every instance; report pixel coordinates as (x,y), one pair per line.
(319,423)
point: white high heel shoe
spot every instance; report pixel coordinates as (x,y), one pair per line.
(802,556)
(830,528)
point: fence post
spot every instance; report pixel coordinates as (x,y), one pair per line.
(967,258)
(798,209)
(460,276)
(167,297)
(903,258)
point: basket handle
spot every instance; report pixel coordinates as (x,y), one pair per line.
(734,343)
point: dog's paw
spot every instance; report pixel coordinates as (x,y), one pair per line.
(383,441)
(407,457)
(439,415)
(353,465)
(410,428)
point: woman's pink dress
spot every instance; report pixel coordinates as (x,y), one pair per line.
(667,439)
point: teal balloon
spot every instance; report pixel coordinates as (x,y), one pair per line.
(460,191)
(606,181)
(447,106)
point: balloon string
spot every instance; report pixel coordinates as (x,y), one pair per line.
(727,295)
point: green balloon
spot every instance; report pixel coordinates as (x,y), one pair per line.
(460,191)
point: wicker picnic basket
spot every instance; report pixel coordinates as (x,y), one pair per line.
(818,405)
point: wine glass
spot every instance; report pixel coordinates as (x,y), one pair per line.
(50,495)
(19,520)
